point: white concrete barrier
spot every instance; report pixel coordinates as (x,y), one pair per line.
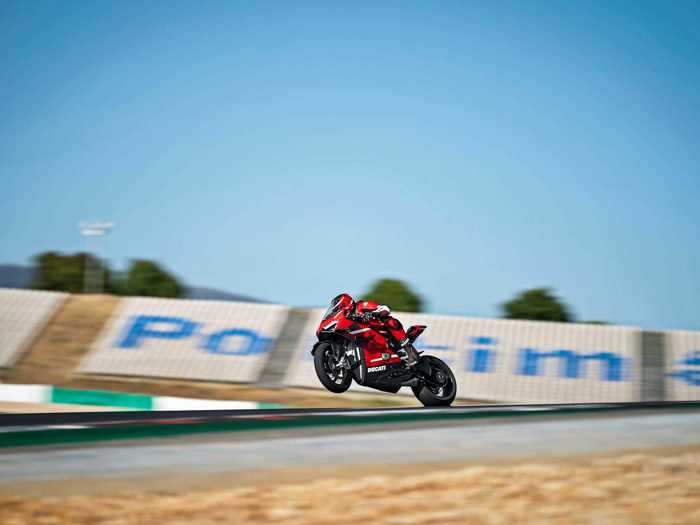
(23,314)
(25,393)
(682,366)
(48,394)
(184,403)
(207,340)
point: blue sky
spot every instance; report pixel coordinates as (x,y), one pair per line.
(291,150)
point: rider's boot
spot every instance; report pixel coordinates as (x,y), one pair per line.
(407,354)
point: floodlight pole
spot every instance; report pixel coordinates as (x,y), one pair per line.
(94,277)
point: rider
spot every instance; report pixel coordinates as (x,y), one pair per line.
(379,316)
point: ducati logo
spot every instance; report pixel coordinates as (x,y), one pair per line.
(376,369)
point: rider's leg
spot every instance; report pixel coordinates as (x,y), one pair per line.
(406,351)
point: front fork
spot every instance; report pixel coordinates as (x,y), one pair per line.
(349,355)
(345,355)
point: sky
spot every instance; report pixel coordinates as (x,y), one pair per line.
(293,150)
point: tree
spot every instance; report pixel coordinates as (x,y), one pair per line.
(66,273)
(146,278)
(396,295)
(538,304)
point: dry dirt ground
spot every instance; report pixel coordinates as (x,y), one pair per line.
(632,488)
(14,407)
(53,359)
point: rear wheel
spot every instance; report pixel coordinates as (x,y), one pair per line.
(442,388)
(335,378)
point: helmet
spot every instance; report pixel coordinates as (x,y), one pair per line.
(373,308)
(366,307)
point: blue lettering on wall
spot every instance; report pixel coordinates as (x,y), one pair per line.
(436,348)
(571,364)
(254,343)
(141,328)
(690,376)
(480,360)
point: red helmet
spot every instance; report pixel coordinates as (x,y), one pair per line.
(366,307)
(373,308)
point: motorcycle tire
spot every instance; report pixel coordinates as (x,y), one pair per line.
(431,398)
(328,382)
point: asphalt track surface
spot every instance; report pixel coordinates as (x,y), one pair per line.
(66,429)
(450,440)
(9,422)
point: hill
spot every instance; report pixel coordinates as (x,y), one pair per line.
(15,276)
(212,294)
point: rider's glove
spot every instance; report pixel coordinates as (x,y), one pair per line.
(382,312)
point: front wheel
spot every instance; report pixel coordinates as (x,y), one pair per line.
(441,389)
(335,378)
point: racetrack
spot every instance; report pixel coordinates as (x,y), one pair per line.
(571,469)
(629,467)
(72,428)
(449,441)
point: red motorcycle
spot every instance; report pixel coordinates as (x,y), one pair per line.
(349,348)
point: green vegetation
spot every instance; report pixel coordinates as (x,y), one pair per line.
(538,304)
(146,278)
(66,273)
(396,295)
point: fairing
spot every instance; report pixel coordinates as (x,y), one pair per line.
(378,358)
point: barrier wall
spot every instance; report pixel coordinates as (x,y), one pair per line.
(207,340)
(48,394)
(23,314)
(518,361)
(682,366)
(493,360)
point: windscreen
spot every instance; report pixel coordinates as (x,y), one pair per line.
(332,310)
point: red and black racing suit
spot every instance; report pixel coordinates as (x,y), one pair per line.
(397,334)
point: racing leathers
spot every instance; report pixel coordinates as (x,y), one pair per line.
(379,317)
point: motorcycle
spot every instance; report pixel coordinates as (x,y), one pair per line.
(350,349)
